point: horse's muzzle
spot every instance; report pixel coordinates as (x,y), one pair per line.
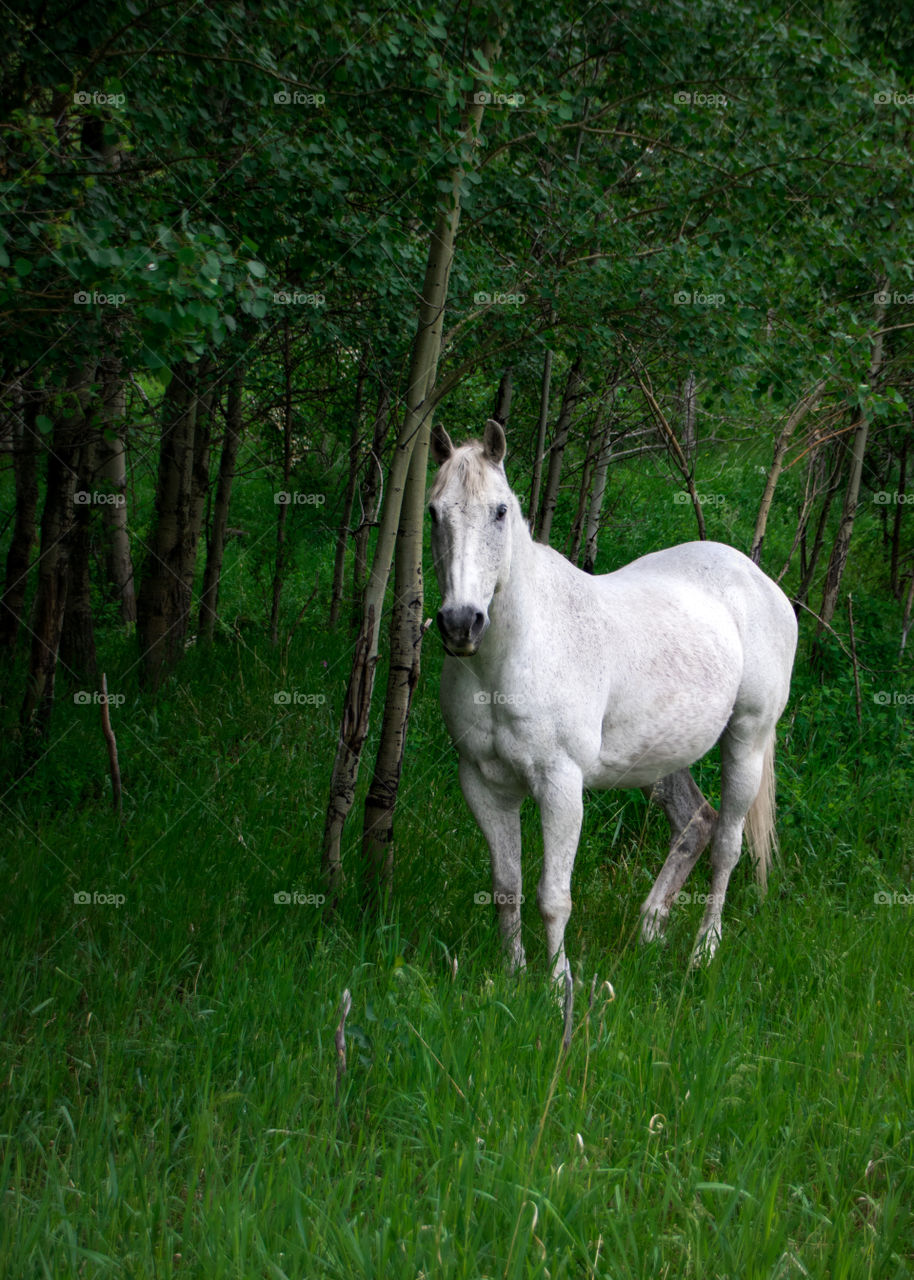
(462,626)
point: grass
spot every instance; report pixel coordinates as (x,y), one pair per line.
(169,1103)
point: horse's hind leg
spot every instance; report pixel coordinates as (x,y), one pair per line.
(691,821)
(742,753)
(499,819)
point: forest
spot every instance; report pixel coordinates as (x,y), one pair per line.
(255,1019)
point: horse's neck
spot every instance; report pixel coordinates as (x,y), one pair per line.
(517,598)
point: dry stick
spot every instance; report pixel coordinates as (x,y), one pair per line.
(850,623)
(345,1006)
(676,450)
(830,628)
(112,749)
(796,416)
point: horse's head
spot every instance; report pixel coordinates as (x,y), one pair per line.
(472,508)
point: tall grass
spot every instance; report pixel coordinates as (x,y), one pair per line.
(169,1102)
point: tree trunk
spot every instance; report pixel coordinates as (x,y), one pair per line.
(163,602)
(566,413)
(199,481)
(18,557)
(113,469)
(689,415)
(369,497)
(796,416)
(406,633)
(342,533)
(534,506)
(895,554)
(77,637)
(809,568)
(215,547)
(842,542)
(577,527)
(597,494)
(503,397)
(414,431)
(53,561)
(284,498)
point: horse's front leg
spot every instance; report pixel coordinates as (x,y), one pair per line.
(560,799)
(498,815)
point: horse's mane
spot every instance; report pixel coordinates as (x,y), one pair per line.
(470,467)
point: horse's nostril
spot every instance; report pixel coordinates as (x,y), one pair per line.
(479,619)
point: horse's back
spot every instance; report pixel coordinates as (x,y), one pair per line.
(715,571)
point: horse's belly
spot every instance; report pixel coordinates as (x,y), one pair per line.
(636,753)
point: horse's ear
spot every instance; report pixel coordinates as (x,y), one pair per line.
(494,444)
(442,448)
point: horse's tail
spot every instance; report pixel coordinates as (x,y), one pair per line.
(760,830)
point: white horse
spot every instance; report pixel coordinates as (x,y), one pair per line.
(557,680)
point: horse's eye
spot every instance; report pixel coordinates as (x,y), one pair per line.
(501,511)
(434,515)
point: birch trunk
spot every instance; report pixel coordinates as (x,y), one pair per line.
(414,433)
(689,415)
(369,497)
(342,533)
